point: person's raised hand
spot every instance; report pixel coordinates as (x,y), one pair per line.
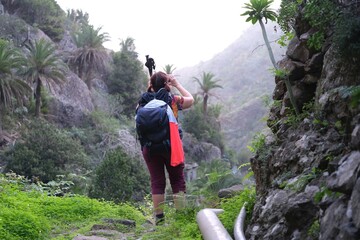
(172,81)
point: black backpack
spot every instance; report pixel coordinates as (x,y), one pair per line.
(152,124)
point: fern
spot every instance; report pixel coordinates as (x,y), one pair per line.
(250,171)
(352,92)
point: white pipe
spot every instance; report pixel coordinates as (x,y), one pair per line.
(210,226)
(239,224)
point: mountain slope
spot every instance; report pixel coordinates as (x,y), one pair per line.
(243,69)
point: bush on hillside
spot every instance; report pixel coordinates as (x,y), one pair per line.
(204,128)
(44,152)
(212,177)
(28,213)
(127,80)
(119,178)
(44,14)
(233,205)
(287,15)
(7,25)
(346,36)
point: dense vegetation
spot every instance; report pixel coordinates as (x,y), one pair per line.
(45,152)
(61,180)
(30,211)
(54,172)
(44,14)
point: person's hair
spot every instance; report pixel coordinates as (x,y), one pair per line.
(157,81)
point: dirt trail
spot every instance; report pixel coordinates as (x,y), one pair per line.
(109,230)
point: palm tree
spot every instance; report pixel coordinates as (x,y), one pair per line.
(78,19)
(257,11)
(11,86)
(128,45)
(44,66)
(169,68)
(90,55)
(78,16)
(207,83)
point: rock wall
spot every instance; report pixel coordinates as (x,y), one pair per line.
(308,178)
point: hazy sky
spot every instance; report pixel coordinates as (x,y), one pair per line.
(178,32)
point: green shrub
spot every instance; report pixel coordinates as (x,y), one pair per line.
(316,41)
(45,99)
(314,230)
(257,143)
(302,181)
(321,14)
(120,177)
(346,36)
(44,14)
(258,146)
(16,219)
(180,224)
(207,128)
(22,225)
(232,207)
(104,122)
(350,93)
(325,192)
(97,134)
(287,14)
(7,25)
(126,79)
(30,214)
(45,152)
(213,182)
(212,177)
(90,138)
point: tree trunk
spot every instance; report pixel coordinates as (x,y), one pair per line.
(88,79)
(1,131)
(267,43)
(38,98)
(272,58)
(205,104)
(291,96)
(88,75)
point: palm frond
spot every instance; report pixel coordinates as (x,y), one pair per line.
(11,87)
(259,9)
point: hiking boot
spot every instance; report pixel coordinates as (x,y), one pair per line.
(159,219)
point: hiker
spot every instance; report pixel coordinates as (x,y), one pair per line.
(157,160)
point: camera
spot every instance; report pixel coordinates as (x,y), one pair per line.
(150,64)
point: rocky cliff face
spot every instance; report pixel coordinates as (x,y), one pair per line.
(308,174)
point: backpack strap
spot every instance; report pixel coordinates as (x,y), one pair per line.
(145,98)
(164,95)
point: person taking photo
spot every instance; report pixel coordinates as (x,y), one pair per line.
(170,158)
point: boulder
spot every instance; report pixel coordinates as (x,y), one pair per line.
(231,191)
(71,101)
(196,151)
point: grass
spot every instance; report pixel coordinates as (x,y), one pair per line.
(32,214)
(232,207)
(180,224)
(28,212)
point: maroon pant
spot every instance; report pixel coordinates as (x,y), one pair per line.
(156,163)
